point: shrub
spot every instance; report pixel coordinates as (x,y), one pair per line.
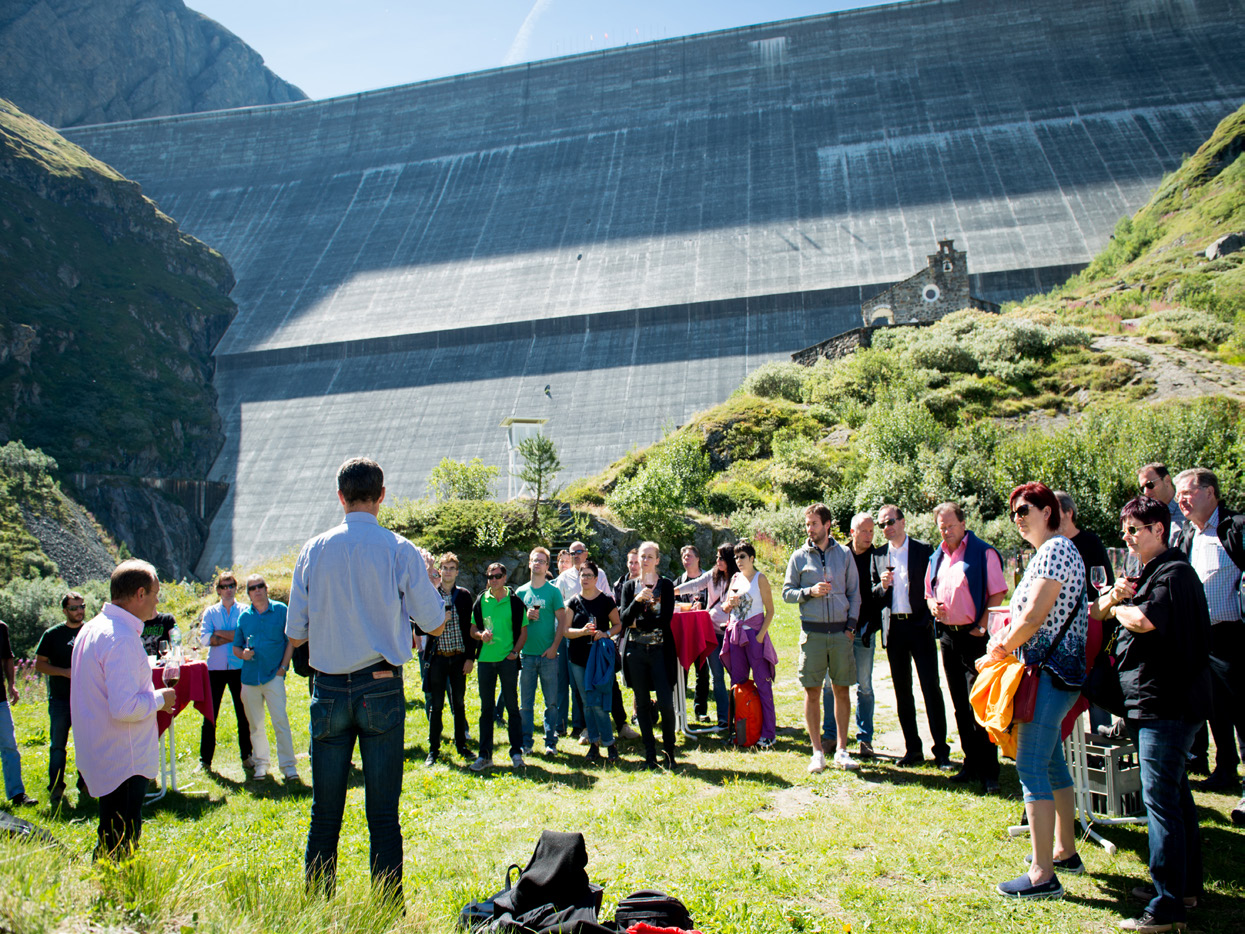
(724,497)
(672,479)
(784,525)
(1187,328)
(464,526)
(584,492)
(453,479)
(777,380)
(32,606)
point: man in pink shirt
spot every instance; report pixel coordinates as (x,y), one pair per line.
(965,579)
(114,705)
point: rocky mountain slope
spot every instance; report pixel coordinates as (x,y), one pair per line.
(107,323)
(75,62)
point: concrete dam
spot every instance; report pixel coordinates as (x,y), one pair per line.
(611,241)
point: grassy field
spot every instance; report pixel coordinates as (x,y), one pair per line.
(749,841)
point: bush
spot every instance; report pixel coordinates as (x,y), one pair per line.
(464,526)
(583,492)
(724,497)
(453,479)
(777,380)
(784,525)
(1187,328)
(672,480)
(32,606)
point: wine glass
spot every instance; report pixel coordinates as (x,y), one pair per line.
(172,673)
(1132,568)
(162,649)
(1098,577)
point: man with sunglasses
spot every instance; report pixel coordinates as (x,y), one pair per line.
(54,658)
(224,670)
(908,635)
(265,651)
(1155,481)
(1213,541)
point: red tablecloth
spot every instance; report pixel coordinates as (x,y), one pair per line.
(694,637)
(193,687)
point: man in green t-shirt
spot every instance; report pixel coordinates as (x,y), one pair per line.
(53,656)
(545,623)
(497,622)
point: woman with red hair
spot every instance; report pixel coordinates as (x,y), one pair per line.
(1048,629)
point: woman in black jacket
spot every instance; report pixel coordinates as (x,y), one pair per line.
(647,608)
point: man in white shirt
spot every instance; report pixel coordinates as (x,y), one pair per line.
(113,704)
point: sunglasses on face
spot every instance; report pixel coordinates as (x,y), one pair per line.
(1021,511)
(1134,529)
(76,608)
(889,522)
(1149,485)
(226,586)
(250,588)
(578,552)
(496,577)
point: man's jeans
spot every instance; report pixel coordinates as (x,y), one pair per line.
(444,678)
(1171,819)
(864,697)
(490,675)
(60,720)
(546,669)
(373,710)
(9,756)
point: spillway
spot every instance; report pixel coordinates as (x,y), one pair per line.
(637,228)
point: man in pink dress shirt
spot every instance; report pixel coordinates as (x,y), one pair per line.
(114,705)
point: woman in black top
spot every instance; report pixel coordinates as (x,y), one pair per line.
(594,617)
(1162,657)
(648,606)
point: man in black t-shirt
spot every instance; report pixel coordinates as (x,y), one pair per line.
(10,758)
(53,656)
(156,630)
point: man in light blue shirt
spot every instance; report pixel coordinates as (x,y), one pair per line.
(216,634)
(355,591)
(260,642)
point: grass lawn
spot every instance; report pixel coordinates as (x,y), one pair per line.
(749,841)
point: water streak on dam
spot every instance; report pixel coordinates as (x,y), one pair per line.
(637,228)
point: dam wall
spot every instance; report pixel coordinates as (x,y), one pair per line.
(636,228)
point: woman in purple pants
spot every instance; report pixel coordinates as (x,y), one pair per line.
(747,647)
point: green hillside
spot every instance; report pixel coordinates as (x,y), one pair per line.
(108,316)
(1060,388)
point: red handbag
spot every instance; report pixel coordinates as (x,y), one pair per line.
(1025,698)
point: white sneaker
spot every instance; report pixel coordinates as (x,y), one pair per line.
(517,761)
(291,775)
(261,774)
(583,738)
(818,763)
(627,731)
(844,761)
(481,764)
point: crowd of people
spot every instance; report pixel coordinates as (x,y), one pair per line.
(364,602)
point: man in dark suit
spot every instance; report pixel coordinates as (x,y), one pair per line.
(908,634)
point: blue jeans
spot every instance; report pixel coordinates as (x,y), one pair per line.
(568,700)
(1171,819)
(546,669)
(10,758)
(1039,745)
(489,674)
(596,717)
(373,711)
(864,697)
(60,721)
(721,694)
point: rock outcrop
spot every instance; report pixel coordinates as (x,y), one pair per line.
(107,323)
(76,62)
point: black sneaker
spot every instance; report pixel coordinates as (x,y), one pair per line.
(23,799)
(1072,865)
(650,764)
(594,755)
(1238,813)
(611,754)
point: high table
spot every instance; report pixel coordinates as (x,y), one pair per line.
(193,687)
(694,639)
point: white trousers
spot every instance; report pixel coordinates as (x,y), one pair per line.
(254,697)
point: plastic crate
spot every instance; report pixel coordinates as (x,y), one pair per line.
(1114,776)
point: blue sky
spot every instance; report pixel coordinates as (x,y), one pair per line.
(335,47)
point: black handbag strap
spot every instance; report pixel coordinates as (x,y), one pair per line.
(1063,630)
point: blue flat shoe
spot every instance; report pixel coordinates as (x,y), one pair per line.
(1021,887)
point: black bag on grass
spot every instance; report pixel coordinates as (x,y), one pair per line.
(655,908)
